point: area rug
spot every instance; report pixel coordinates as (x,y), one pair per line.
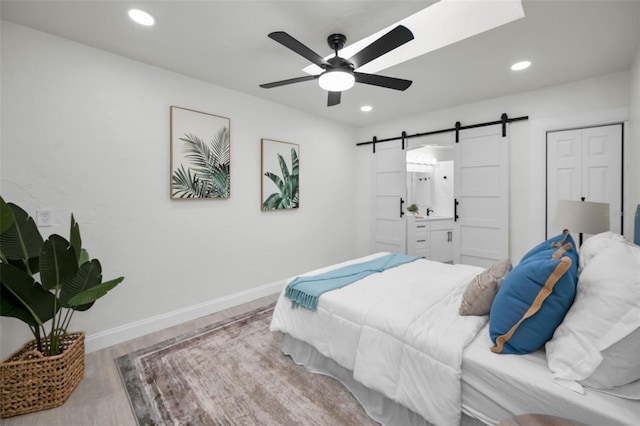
(232,373)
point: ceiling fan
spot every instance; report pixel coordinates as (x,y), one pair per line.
(340,74)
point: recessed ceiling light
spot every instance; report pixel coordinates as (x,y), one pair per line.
(142,17)
(366,108)
(520,65)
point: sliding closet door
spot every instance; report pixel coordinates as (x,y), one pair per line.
(390,187)
(585,163)
(481,189)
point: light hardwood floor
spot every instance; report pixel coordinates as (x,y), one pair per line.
(100,398)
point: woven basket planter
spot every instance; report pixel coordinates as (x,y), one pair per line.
(30,381)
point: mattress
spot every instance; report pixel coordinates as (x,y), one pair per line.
(498,386)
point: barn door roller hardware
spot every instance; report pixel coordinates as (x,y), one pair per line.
(504,119)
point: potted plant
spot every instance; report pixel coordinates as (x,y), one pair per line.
(43,283)
(412,209)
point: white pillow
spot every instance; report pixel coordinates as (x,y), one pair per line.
(596,244)
(606,310)
(617,366)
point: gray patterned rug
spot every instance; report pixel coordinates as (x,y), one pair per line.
(232,373)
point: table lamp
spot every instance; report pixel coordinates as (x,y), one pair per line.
(584,217)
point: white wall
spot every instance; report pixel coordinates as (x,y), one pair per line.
(634,144)
(443,188)
(86,131)
(595,100)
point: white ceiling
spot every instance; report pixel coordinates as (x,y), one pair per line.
(226,43)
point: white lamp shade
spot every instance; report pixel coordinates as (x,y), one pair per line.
(582,216)
(336,81)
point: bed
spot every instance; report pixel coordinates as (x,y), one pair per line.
(396,339)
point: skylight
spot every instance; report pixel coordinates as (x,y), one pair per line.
(436,26)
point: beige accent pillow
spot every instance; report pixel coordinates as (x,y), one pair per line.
(478,296)
(500,270)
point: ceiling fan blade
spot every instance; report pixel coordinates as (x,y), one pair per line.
(334,98)
(382,81)
(287,41)
(289,81)
(385,44)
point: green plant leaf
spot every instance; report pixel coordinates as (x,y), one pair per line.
(84,257)
(75,239)
(295,189)
(89,275)
(294,162)
(283,168)
(94,293)
(196,151)
(220,177)
(58,262)
(27,294)
(186,185)
(6,216)
(274,201)
(220,147)
(10,306)
(22,240)
(276,179)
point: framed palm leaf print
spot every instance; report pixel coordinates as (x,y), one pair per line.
(200,155)
(280,175)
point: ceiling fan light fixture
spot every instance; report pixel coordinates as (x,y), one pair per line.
(336,81)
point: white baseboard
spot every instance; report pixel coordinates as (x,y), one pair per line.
(123,333)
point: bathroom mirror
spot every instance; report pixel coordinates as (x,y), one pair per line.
(430,178)
(420,190)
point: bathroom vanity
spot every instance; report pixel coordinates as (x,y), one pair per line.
(430,237)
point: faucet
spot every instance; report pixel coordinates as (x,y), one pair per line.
(429,210)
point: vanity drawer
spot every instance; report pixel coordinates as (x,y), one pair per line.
(422,226)
(420,235)
(422,241)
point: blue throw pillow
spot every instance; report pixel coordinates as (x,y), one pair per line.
(551,245)
(533,300)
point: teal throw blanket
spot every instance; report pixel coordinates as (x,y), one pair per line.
(305,291)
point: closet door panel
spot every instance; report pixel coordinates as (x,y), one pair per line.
(602,169)
(564,158)
(567,184)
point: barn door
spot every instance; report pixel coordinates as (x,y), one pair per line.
(481,192)
(390,187)
(585,164)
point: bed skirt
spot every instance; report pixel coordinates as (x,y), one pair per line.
(378,407)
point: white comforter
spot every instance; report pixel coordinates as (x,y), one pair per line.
(398,331)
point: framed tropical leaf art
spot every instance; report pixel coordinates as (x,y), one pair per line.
(280,175)
(200,155)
